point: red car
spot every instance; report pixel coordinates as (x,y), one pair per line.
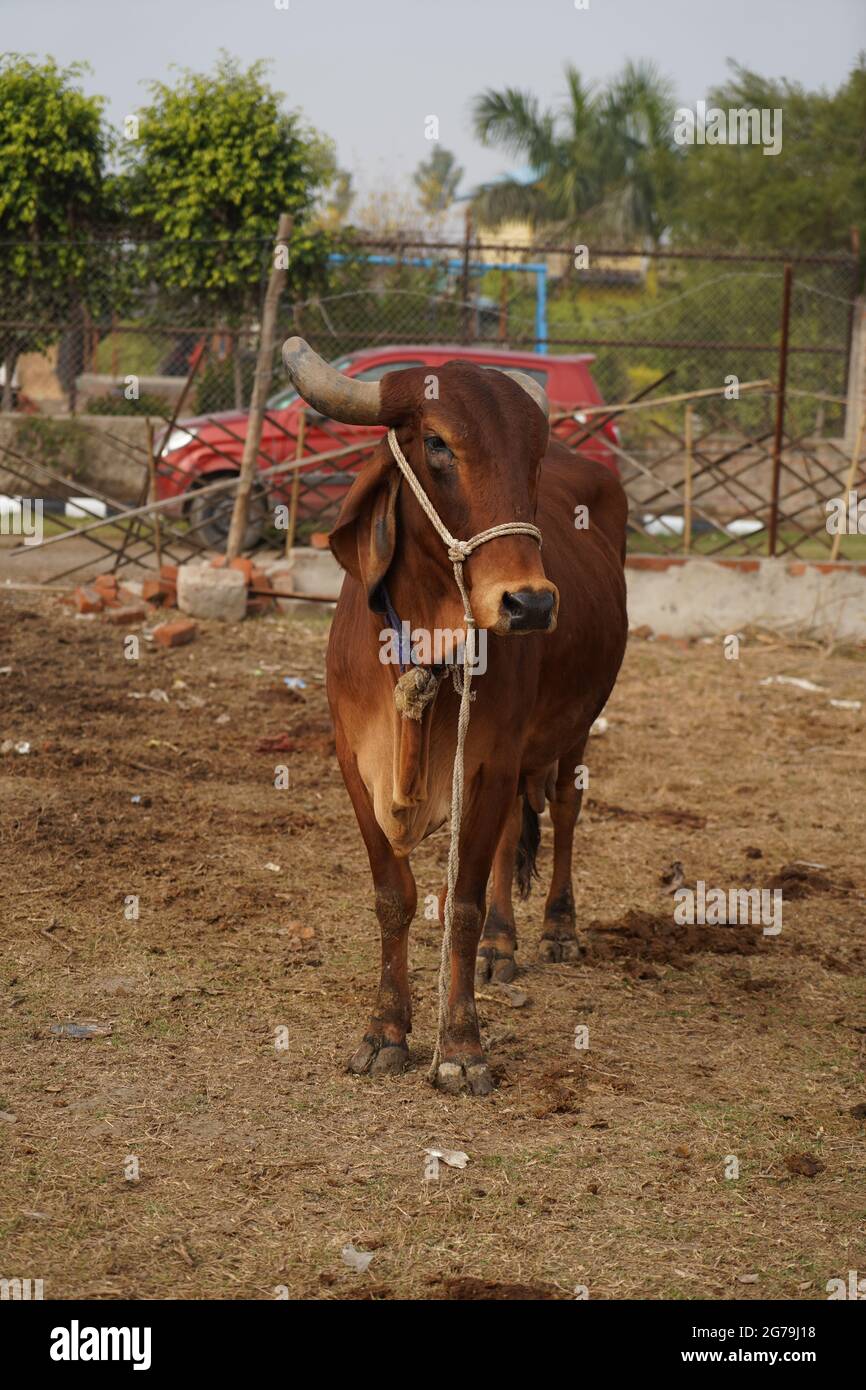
(206,447)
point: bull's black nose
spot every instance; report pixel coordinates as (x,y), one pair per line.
(528,611)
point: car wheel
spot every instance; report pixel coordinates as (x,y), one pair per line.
(210,516)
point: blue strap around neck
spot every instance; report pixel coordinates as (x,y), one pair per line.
(405,645)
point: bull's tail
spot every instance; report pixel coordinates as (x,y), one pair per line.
(527,850)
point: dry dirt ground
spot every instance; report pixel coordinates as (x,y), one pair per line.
(602,1168)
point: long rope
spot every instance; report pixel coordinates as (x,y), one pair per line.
(458,553)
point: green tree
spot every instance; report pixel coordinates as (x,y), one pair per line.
(339,200)
(604,161)
(54,197)
(805,198)
(437,180)
(216,160)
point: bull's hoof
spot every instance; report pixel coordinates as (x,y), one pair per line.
(379,1057)
(455,1077)
(555,948)
(494,965)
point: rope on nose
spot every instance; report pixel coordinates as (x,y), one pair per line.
(458,552)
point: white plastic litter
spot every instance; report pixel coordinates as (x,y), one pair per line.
(798,681)
(358,1260)
(455,1158)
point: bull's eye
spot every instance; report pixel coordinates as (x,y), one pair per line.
(437,451)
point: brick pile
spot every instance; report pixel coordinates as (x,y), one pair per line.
(124,604)
(269,585)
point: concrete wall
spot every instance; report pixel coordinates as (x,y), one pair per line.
(102,451)
(701,598)
(93,385)
(704,598)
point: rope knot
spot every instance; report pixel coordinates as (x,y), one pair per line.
(459,551)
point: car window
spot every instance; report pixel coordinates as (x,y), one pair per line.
(535,372)
(282,399)
(382,368)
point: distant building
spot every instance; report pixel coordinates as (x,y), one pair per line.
(622,270)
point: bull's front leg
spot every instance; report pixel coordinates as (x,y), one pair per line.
(462,1063)
(383,1048)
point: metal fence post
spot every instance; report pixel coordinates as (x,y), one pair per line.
(464,290)
(773,528)
(541,308)
(687,482)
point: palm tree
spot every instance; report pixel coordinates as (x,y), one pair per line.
(437,179)
(605,160)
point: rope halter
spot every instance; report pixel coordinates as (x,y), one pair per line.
(458,552)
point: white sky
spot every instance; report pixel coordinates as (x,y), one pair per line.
(368,72)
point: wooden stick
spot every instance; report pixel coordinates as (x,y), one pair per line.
(687,482)
(849,481)
(261,386)
(308,598)
(664,400)
(34,589)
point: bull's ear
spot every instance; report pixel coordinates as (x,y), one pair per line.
(365,535)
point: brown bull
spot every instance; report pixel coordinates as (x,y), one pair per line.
(481,452)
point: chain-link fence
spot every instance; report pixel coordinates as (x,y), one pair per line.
(114,342)
(700,316)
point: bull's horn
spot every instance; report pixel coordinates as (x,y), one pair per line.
(531,386)
(327,390)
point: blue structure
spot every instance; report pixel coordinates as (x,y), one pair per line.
(538,269)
